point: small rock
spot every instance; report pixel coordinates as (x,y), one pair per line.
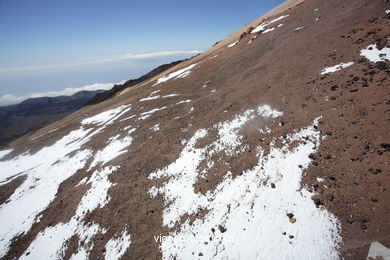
(291,236)
(222,229)
(290,215)
(293,220)
(374,171)
(273,185)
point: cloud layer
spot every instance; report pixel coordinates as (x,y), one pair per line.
(97,60)
(6,100)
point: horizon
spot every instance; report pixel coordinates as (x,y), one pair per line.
(49,47)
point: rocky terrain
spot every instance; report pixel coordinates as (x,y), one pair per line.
(272,144)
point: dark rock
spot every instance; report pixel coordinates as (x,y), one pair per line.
(290,215)
(222,229)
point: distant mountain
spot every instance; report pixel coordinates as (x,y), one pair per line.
(34,113)
(100,97)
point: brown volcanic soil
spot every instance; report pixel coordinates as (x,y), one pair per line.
(282,69)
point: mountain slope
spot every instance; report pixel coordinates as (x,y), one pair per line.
(272,144)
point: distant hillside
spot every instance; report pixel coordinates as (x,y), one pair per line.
(100,97)
(34,113)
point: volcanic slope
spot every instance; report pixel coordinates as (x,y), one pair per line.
(273,144)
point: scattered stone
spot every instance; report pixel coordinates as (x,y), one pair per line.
(290,215)
(222,229)
(200,254)
(334,87)
(317,202)
(374,171)
(293,220)
(291,236)
(330,197)
(273,185)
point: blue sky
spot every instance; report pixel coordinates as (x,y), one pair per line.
(49,45)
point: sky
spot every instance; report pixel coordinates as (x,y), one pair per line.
(47,46)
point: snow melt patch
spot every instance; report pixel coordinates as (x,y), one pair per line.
(107,117)
(155,128)
(177,74)
(51,242)
(3,153)
(147,114)
(262,26)
(44,172)
(183,101)
(149,98)
(373,54)
(336,68)
(113,149)
(232,44)
(115,248)
(245,216)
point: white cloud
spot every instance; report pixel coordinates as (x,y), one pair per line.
(98,60)
(8,99)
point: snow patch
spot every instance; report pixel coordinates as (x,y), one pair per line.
(183,101)
(232,44)
(177,74)
(107,117)
(147,114)
(3,153)
(115,248)
(114,148)
(262,26)
(170,95)
(149,98)
(51,242)
(155,128)
(245,216)
(373,54)
(298,29)
(336,68)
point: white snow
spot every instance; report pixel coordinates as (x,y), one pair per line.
(82,182)
(50,243)
(113,149)
(372,53)
(336,68)
(107,117)
(280,25)
(378,251)
(177,74)
(3,153)
(232,44)
(262,26)
(45,170)
(149,98)
(387,11)
(170,95)
(315,10)
(115,248)
(298,29)
(183,101)
(253,213)
(269,30)
(147,114)
(155,128)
